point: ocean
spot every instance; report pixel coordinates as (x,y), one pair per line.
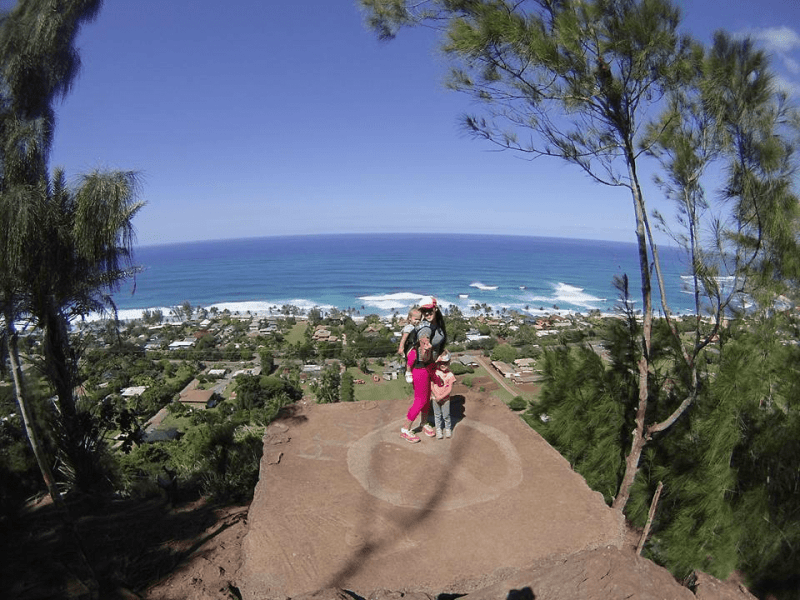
(386,273)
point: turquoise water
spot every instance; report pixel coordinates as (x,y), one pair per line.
(382,273)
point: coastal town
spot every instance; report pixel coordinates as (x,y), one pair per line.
(212,349)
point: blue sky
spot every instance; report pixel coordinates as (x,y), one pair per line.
(254,118)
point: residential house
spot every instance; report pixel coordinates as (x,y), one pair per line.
(504,369)
(199,399)
(130,392)
(468,360)
(181,344)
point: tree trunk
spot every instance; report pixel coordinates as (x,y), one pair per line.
(27,416)
(59,363)
(650,515)
(639,440)
(87,573)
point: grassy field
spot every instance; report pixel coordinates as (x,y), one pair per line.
(297,333)
(380,390)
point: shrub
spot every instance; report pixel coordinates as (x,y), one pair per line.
(221,464)
(505,353)
(518,403)
(177,409)
(346,391)
(460,369)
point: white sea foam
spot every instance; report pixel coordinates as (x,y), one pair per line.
(481,286)
(253,307)
(576,296)
(726,283)
(267,307)
(400,301)
(127,314)
(564,293)
(390,302)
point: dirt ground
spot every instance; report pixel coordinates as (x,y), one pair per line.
(346,509)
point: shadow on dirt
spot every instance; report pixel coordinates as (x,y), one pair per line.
(129,544)
(374,542)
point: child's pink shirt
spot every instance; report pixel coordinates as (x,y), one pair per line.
(442,384)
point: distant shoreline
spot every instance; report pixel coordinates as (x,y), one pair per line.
(132,314)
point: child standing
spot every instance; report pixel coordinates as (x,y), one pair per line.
(441,386)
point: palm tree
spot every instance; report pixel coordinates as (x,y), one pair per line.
(80,254)
(38,64)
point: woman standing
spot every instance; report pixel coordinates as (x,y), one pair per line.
(430,344)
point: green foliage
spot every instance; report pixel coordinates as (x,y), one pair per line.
(585,407)
(374,346)
(259,391)
(224,469)
(326,388)
(457,326)
(178,409)
(347,391)
(364,366)
(86,463)
(460,369)
(731,469)
(267,361)
(505,353)
(518,403)
(153,317)
(350,357)
(18,470)
(219,455)
(140,469)
(483,344)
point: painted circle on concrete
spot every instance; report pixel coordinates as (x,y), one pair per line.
(478,465)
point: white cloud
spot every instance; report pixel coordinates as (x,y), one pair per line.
(784,45)
(792,65)
(778,39)
(792,88)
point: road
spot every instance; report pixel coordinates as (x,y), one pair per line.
(487,364)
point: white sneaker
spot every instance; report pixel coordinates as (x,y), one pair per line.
(448,434)
(408,435)
(438,433)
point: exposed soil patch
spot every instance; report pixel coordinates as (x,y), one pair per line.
(368,524)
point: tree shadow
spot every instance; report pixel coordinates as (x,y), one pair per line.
(291,415)
(525,593)
(412,519)
(129,544)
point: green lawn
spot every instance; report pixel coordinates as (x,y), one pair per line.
(398,389)
(297,333)
(382,390)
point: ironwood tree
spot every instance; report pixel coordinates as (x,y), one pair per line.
(587,82)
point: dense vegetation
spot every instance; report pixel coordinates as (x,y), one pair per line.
(730,467)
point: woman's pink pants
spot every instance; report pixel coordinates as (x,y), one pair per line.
(422,394)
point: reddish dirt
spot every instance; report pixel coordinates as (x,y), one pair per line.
(344,504)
